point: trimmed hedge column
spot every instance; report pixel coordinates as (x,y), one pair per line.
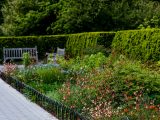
(78,42)
(138,44)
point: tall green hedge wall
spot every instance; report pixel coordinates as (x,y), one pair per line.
(78,42)
(138,44)
(49,43)
(43,43)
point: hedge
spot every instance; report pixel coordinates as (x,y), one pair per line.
(143,45)
(43,43)
(78,42)
(75,44)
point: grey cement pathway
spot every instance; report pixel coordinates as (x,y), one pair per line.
(1,67)
(14,106)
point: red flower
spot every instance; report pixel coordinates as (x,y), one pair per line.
(152,107)
(126,110)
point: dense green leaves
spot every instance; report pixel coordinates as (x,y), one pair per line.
(139,44)
(77,43)
(44,43)
(27,17)
(39,17)
(49,43)
(78,16)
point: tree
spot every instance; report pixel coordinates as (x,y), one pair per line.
(39,17)
(27,17)
(101,15)
(1,17)
(81,16)
(130,14)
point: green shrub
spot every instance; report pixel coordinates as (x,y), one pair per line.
(78,42)
(54,92)
(122,86)
(27,75)
(26,59)
(79,66)
(138,44)
(50,75)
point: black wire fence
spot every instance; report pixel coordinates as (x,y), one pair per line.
(59,110)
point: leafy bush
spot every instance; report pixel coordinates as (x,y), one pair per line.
(44,78)
(138,44)
(26,59)
(50,75)
(27,75)
(79,66)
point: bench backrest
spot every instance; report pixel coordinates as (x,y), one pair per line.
(51,57)
(17,53)
(60,52)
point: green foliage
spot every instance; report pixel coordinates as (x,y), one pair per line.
(101,15)
(1,17)
(152,23)
(96,49)
(26,59)
(81,16)
(54,93)
(78,42)
(79,66)
(50,58)
(44,43)
(123,86)
(138,44)
(103,87)
(132,77)
(50,75)
(130,14)
(43,78)
(27,17)
(39,17)
(73,42)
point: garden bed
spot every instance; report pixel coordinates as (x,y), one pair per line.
(98,86)
(56,108)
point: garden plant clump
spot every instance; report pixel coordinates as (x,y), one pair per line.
(116,89)
(99,86)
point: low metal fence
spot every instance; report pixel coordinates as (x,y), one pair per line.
(59,110)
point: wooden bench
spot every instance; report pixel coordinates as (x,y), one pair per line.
(17,53)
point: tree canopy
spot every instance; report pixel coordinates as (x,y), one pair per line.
(40,17)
